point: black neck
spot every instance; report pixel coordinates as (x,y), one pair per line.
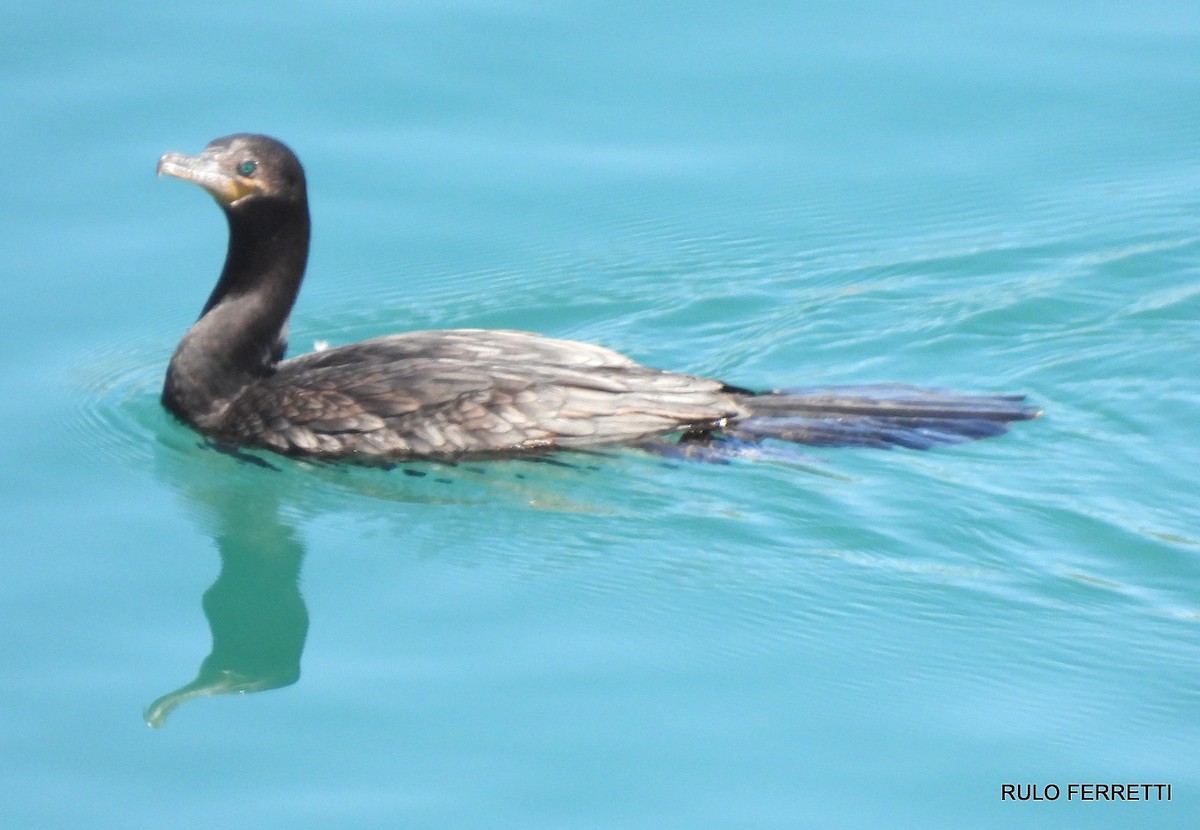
(237,338)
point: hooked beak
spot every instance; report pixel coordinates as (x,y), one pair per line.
(205,170)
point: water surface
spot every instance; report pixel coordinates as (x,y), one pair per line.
(996,197)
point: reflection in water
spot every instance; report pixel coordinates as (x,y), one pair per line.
(257,617)
(255,612)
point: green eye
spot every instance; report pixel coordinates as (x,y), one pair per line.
(247,168)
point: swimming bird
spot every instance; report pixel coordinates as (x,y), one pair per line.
(469,392)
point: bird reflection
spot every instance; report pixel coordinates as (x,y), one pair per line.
(249,507)
(255,612)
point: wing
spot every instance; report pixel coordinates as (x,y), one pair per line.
(465,392)
(469,346)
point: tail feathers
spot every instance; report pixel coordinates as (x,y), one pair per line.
(879,416)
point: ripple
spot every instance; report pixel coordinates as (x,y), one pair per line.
(116,414)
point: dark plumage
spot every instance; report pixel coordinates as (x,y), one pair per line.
(467,392)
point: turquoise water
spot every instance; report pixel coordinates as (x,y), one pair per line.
(994,197)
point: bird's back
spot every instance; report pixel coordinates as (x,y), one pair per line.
(465,392)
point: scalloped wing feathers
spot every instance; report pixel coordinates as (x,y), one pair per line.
(465,392)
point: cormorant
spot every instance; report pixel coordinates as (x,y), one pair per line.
(469,392)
